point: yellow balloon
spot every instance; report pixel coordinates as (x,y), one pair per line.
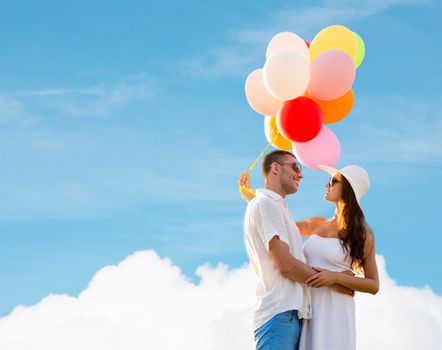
(270,130)
(334,37)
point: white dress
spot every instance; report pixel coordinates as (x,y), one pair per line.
(332,326)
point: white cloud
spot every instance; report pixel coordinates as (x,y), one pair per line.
(92,91)
(372,6)
(399,317)
(246,48)
(12,111)
(94,100)
(27,108)
(146,303)
(227,61)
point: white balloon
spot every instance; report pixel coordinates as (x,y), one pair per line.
(286,75)
(287,41)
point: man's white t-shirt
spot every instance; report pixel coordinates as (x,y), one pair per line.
(267,215)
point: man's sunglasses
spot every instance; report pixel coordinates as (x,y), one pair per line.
(332,181)
(295,166)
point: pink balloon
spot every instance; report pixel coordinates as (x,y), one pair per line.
(257,95)
(332,74)
(323,149)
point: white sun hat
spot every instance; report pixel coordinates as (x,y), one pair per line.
(356,176)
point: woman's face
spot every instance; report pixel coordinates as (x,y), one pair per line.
(333,188)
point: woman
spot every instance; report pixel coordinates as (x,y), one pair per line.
(343,242)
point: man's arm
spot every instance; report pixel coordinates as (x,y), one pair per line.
(294,269)
(289,266)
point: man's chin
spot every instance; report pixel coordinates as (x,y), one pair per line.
(293,190)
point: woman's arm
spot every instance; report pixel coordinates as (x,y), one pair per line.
(367,284)
(308,226)
(370,282)
(304,228)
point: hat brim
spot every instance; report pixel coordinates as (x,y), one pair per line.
(333,172)
(328,169)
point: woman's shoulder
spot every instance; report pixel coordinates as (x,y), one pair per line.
(317,220)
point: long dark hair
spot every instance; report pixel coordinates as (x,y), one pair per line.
(352,228)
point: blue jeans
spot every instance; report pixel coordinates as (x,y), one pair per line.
(281,332)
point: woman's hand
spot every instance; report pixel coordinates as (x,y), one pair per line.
(343,290)
(323,278)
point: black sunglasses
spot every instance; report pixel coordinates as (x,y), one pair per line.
(295,166)
(332,181)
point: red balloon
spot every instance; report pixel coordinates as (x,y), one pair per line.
(307,43)
(299,120)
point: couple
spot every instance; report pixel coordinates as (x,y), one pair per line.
(335,249)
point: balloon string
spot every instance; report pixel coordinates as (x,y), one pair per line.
(261,154)
(246,190)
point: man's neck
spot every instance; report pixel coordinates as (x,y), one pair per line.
(276,189)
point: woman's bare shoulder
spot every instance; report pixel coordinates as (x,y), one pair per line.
(317,220)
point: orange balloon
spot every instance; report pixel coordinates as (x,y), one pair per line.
(336,110)
(270,130)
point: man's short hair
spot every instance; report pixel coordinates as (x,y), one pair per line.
(274,156)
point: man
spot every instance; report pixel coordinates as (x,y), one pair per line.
(274,246)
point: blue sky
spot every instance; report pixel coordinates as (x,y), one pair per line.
(125,126)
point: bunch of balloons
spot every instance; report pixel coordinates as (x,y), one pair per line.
(304,86)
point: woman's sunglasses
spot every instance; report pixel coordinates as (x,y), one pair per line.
(332,181)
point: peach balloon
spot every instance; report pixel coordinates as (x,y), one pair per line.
(287,41)
(270,130)
(336,110)
(323,149)
(257,95)
(332,74)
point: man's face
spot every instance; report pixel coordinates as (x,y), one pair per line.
(290,174)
